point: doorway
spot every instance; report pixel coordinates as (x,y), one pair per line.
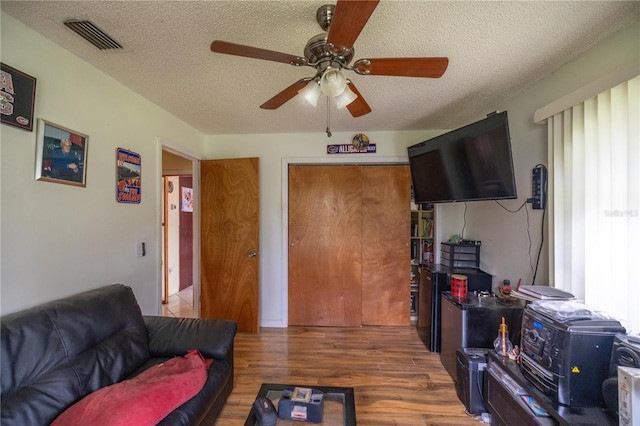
(178,283)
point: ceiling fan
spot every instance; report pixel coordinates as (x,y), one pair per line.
(330,53)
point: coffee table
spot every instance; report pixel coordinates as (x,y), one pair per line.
(339,405)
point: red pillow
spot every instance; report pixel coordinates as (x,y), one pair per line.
(144,400)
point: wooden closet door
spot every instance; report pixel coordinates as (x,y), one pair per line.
(386,260)
(325,223)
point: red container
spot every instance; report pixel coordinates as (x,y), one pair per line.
(459,286)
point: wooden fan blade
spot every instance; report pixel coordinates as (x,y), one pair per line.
(349,18)
(403,67)
(287,94)
(220,46)
(359,107)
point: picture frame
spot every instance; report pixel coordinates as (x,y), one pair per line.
(61,154)
(17,97)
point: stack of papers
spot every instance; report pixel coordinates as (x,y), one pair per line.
(538,292)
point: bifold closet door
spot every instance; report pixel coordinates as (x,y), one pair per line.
(348,245)
(386,258)
(325,233)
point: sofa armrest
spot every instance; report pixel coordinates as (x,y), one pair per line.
(170,336)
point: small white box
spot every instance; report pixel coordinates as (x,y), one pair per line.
(628,396)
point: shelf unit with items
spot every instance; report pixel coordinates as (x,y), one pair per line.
(414,279)
(423,244)
(422,233)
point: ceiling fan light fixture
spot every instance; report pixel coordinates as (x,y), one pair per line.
(345,98)
(311,92)
(333,82)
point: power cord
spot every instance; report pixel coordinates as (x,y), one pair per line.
(534,271)
(464,221)
(544,213)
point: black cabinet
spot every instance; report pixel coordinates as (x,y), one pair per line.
(432,283)
(507,391)
(434,280)
(473,322)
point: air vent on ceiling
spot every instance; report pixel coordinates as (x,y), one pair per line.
(94,35)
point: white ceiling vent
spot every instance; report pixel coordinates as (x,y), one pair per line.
(94,35)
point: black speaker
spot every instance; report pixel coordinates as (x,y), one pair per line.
(471,363)
(624,353)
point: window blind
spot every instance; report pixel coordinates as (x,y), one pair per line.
(594,201)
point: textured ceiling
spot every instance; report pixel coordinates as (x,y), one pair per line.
(495,49)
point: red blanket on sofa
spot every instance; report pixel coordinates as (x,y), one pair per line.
(144,400)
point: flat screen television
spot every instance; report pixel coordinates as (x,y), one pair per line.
(471,163)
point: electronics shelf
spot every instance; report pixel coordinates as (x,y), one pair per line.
(504,386)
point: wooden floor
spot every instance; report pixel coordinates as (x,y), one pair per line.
(397,381)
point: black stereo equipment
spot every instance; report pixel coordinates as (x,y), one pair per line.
(566,350)
(471,363)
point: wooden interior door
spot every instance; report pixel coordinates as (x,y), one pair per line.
(325,232)
(386,259)
(230,241)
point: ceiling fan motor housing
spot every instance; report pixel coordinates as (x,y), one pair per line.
(319,54)
(324,15)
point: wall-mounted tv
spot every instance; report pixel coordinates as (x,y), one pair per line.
(471,163)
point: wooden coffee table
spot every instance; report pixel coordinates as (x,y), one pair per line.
(339,404)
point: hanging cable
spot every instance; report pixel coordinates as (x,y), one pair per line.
(544,212)
(464,221)
(534,271)
(328,118)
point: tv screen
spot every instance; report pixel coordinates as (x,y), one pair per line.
(471,163)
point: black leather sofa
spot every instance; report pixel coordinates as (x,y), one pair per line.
(54,354)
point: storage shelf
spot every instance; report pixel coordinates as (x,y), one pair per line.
(422,242)
(460,255)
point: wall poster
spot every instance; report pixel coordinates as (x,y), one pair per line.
(128,181)
(187,199)
(17,96)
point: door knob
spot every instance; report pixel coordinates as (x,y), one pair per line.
(253,254)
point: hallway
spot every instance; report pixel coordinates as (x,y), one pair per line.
(180,304)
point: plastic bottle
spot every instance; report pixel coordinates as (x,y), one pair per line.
(502,344)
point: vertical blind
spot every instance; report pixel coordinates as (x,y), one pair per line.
(594,176)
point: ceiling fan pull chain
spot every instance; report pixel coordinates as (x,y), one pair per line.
(328,117)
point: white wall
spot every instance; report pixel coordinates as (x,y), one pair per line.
(505,236)
(58,240)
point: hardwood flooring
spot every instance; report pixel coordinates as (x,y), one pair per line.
(396,380)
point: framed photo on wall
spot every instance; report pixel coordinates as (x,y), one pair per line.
(61,154)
